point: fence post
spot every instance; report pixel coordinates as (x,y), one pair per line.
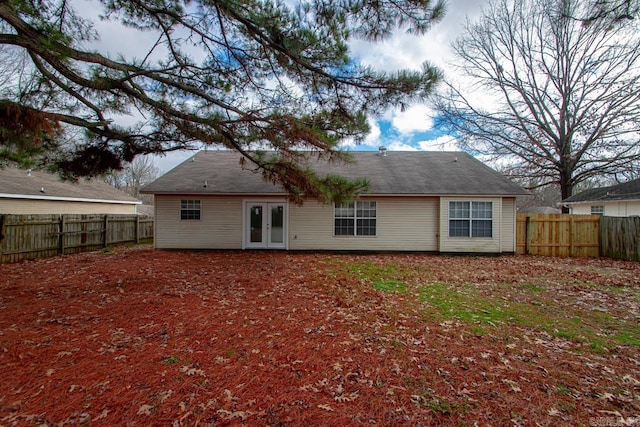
(572,235)
(106,225)
(137,229)
(527,235)
(600,236)
(61,235)
(3,229)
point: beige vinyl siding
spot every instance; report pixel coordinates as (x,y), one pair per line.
(623,208)
(402,224)
(33,207)
(470,244)
(219,226)
(508,234)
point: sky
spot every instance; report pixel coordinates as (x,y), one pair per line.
(411,129)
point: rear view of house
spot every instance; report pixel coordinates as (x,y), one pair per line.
(417,201)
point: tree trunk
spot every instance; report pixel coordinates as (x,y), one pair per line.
(566,188)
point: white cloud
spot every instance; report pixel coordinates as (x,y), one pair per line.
(400,146)
(373,139)
(414,118)
(406,51)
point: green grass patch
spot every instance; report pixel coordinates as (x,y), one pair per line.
(487,306)
(597,329)
(445,407)
(629,335)
(170,360)
(373,272)
(389,286)
(444,301)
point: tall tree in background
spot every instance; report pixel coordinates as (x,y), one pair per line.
(229,73)
(562,97)
(133,176)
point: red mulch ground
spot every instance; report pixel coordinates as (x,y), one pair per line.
(142,337)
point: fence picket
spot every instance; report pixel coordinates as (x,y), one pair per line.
(558,235)
(40,236)
(620,237)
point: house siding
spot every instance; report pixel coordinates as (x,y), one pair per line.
(34,207)
(622,209)
(468,244)
(402,224)
(219,226)
(508,229)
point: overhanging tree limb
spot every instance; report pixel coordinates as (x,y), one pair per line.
(229,73)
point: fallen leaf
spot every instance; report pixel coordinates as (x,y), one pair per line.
(325,407)
(145,409)
(514,385)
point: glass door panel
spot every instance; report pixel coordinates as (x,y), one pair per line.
(255,224)
(276,224)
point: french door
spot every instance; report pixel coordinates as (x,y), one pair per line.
(266,225)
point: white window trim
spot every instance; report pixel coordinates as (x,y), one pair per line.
(355,218)
(199,209)
(470,219)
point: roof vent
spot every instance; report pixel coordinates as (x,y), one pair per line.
(42,189)
(382,151)
(206,184)
(28,172)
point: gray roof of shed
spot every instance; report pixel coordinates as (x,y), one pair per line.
(397,173)
(625,191)
(24,184)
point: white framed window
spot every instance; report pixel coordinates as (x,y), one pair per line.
(190,210)
(470,219)
(597,210)
(355,218)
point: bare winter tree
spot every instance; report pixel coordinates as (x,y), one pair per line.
(133,176)
(562,97)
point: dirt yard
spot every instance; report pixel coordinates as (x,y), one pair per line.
(136,337)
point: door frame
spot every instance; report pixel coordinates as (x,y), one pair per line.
(246,224)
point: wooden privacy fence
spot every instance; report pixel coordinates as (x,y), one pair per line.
(620,237)
(40,236)
(558,235)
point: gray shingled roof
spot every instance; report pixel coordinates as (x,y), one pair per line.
(397,173)
(21,183)
(625,191)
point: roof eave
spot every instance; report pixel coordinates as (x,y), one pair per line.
(600,201)
(254,194)
(66,199)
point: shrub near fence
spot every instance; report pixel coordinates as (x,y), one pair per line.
(40,236)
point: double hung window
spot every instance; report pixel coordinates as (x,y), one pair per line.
(189,209)
(470,219)
(355,219)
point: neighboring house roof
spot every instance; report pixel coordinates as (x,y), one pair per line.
(625,191)
(37,185)
(540,209)
(396,173)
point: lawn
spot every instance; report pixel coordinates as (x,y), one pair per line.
(132,336)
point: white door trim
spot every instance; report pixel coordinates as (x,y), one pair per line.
(265,204)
